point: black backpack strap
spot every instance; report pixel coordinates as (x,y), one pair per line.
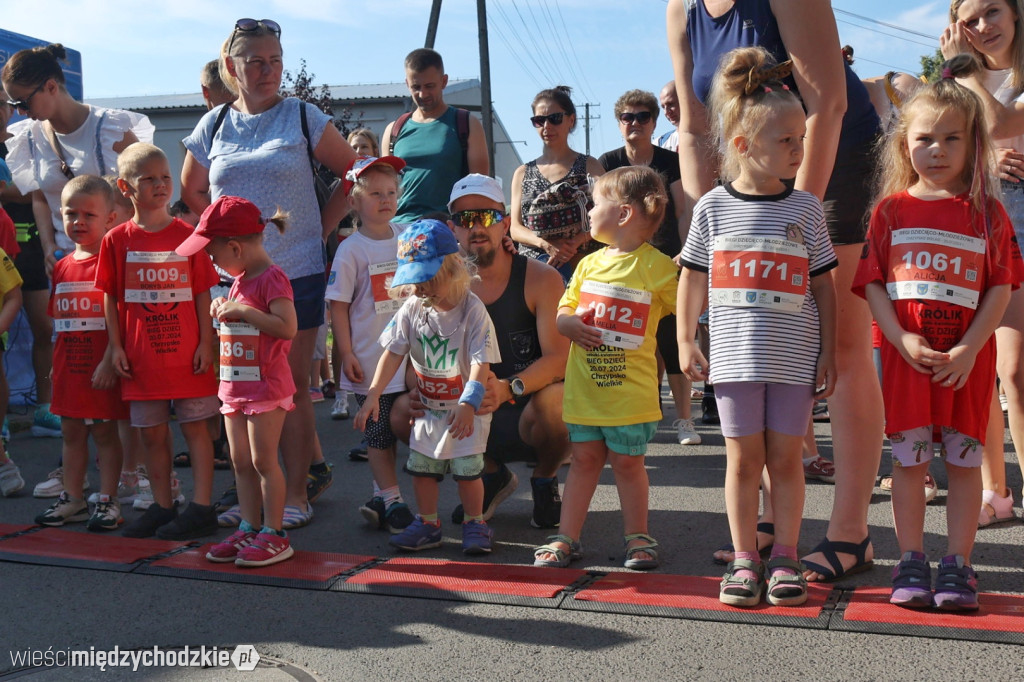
(220,120)
(396,129)
(305,134)
(462,129)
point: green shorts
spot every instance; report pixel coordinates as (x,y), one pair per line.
(631,439)
(466,468)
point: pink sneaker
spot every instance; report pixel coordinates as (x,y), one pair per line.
(229,549)
(265,549)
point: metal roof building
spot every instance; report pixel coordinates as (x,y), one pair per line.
(372,105)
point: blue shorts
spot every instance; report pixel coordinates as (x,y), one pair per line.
(631,439)
(750,407)
(309,300)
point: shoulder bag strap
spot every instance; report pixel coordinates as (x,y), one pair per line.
(51,136)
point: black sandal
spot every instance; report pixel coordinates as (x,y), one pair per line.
(764,527)
(831,549)
(183,460)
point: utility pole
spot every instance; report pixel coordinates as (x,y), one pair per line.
(485,82)
(435,15)
(586,122)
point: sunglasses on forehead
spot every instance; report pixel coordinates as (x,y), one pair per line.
(640,117)
(554,119)
(250,25)
(485,216)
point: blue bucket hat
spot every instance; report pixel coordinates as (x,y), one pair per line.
(421,251)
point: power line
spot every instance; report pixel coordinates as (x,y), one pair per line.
(584,81)
(932,45)
(492,23)
(891,66)
(529,53)
(884,23)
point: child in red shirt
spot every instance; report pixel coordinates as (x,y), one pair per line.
(87,393)
(157,308)
(257,324)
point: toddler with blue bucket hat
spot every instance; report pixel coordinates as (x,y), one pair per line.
(448,337)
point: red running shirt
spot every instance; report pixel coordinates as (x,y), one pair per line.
(155,290)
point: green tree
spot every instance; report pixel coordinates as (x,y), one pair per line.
(300,84)
(931,66)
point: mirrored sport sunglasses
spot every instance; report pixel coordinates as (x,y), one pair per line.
(249,25)
(554,119)
(485,216)
(640,117)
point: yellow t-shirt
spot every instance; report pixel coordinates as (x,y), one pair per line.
(616,384)
(9,275)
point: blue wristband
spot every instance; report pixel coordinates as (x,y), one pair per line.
(473,394)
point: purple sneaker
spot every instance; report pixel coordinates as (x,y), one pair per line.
(956,585)
(912,582)
(476,537)
(417,535)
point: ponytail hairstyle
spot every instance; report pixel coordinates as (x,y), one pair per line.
(1017,54)
(747,88)
(897,174)
(639,186)
(35,66)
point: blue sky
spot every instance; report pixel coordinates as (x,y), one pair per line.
(599,47)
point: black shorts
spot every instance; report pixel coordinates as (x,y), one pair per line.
(504,444)
(31,265)
(848,197)
(378,433)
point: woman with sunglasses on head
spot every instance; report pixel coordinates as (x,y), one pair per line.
(637,114)
(838,164)
(259,152)
(550,231)
(60,139)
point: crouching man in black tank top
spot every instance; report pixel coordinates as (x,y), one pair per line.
(524,390)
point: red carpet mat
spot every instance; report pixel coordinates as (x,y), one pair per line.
(11,528)
(305,570)
(867,609)
(56,547)
(464,581)
(693,598)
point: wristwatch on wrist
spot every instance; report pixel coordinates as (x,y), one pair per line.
(518,388)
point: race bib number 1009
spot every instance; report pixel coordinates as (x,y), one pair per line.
(156,277)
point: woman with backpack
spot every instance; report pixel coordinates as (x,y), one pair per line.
(260,149)
(551,194)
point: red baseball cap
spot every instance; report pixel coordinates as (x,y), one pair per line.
(226,217)
(361,163)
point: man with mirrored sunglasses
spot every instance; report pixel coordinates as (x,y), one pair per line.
(524,390)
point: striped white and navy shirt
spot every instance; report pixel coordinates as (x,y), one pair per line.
(758,344)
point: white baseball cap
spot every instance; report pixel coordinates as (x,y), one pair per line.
(475,183)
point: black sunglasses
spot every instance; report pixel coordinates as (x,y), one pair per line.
(250,25)
(24,104)
(642,117)
(485,216)
(554,119)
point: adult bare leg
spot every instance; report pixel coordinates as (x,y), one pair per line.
(300,444)
(856,415)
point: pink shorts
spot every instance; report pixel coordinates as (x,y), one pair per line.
(251,407)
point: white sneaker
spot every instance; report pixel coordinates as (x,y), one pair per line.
(53,486)
(340,408)
(685,432)
(126,489)
(144,499)
(10,478)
